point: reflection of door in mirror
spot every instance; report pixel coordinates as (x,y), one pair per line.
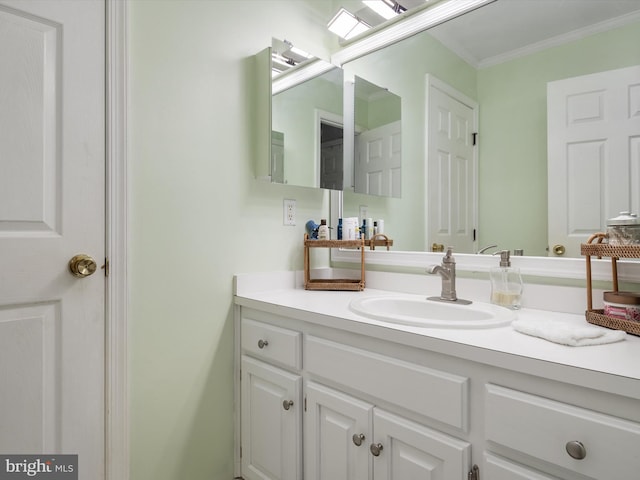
(451,167)
(594,127)
(331,156)
(378,161)
(378,140)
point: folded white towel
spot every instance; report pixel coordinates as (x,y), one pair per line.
(568,334)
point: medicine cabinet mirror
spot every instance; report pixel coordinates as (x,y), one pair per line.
(306,119)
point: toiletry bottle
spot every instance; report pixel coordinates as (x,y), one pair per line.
(506,283)
(323,230)
(369,228)
(339,229)
(363,229)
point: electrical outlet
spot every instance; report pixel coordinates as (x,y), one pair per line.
(289,212)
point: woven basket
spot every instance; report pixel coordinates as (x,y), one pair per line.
(597,317)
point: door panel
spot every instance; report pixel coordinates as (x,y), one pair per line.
(331,420)
(411,450)
(451,169)
(593,153)
(271,434)
(52,164)
(378,169)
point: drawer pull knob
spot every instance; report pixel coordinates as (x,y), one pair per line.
(287,404)
(576,450)
(358,438)
(375,448)
(262,343)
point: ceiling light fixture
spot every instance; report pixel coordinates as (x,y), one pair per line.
(346,25)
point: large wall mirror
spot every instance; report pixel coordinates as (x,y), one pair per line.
(493,66)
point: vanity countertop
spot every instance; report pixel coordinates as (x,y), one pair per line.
(612,367)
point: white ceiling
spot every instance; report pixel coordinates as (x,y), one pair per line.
(506,29)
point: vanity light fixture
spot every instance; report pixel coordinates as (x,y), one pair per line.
(346,25)
(387,9)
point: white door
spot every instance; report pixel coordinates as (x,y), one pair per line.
(593,153)
(337,434)
(451,168)
(52,164)
(271,422)
(407,450)
(378,165)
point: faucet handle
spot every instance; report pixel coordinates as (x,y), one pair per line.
(448,258)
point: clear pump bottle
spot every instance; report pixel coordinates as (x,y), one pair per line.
(506,283)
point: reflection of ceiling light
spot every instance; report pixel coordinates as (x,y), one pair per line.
(346,25)
(383,8)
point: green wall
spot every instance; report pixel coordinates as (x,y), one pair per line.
(197,217)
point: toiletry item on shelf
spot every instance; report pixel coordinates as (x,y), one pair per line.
(350,228)
(506,283)
(369,235)
(380,223)
(323,230)
(622,305)
(624,229)
(339,229)
(311,228)
(363,229)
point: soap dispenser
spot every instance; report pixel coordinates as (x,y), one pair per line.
(506,283)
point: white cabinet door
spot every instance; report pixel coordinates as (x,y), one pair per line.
(408,450)
(337,434)
(271,422)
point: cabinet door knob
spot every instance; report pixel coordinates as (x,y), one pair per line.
(576,450)
(358,438)
(262,343)
(287,404)
(375,448)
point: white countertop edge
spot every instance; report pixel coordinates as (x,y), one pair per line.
(614,368)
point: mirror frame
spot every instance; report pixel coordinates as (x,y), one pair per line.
(551,267)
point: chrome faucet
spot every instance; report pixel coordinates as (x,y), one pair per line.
(448,273)
(482,250)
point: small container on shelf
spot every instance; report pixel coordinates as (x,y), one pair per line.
(622,305)
(624,229)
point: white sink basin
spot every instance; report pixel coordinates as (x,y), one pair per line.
(417,311)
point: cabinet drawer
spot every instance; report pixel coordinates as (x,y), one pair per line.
(435,394)
(542,428)
(497,468)
(272,343)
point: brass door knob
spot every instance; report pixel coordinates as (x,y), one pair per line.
(82,266)
(559,249)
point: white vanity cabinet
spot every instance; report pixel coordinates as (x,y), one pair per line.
(323,398)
